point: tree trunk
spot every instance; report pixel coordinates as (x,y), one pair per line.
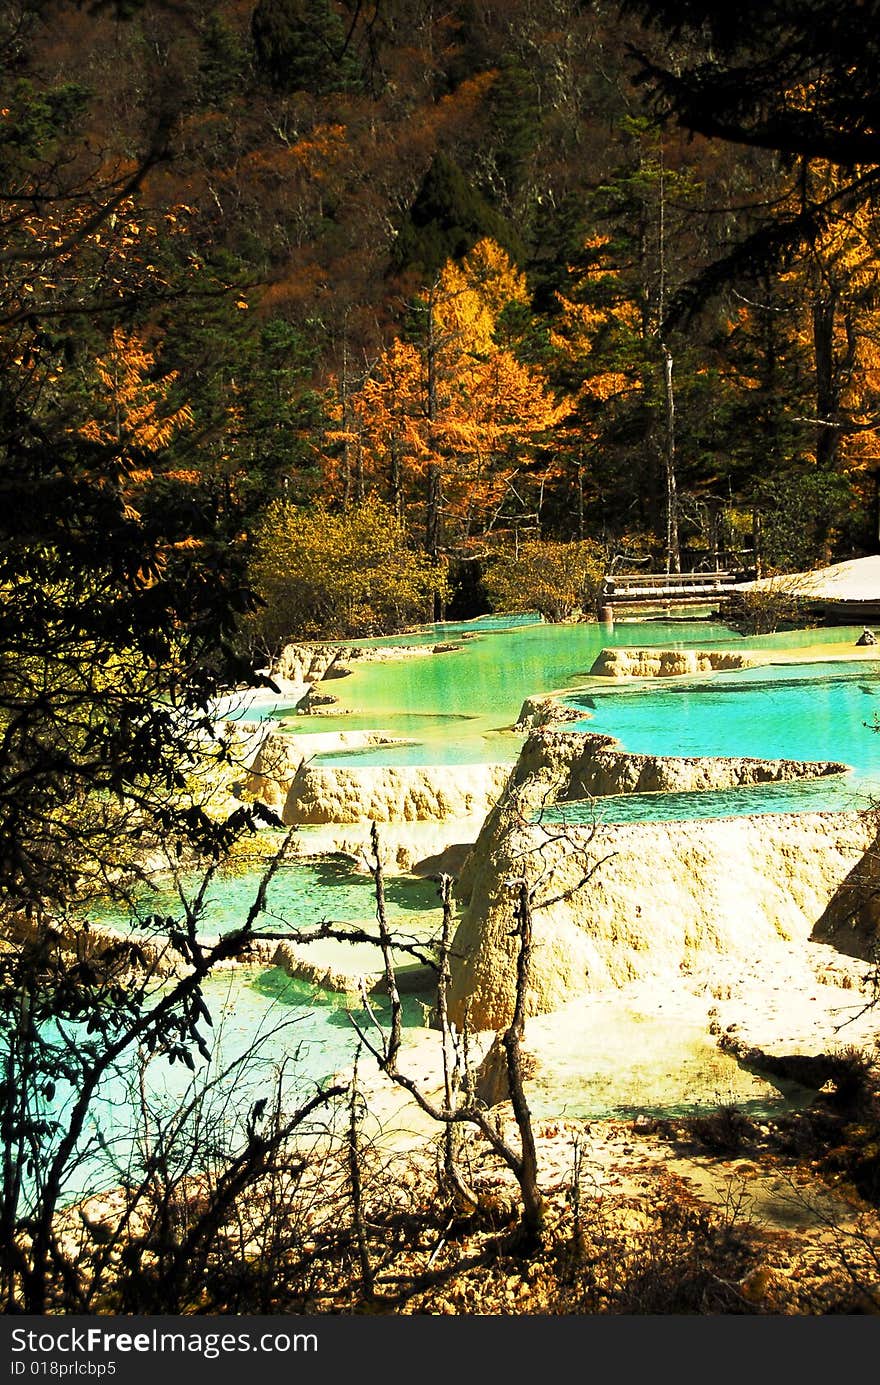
(673,552)
(432,512)
(827,388)
(394,478)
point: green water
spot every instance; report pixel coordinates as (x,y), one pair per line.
(459,706)
(301,895)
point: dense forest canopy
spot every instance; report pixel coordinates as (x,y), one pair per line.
(439,257)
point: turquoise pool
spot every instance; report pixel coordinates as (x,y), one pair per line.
(461,705)
(825,711)
(269,1032)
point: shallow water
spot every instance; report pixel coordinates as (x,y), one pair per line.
(461,705)
(293,1034)
(824,711)
(619,1059)
(300,897)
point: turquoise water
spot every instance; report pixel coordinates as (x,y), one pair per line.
(301,895)
(458,707)
(823,711)
(270,1033)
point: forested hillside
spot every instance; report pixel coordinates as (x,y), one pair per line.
(433,267)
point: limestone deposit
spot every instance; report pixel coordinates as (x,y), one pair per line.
(537,712)
(559,766)
(311,663)
(304,792)
(851,922)
(647,899)
(378,793)
(420,848)
(594,766)
(614,903)
(276,757)
(308,663)
(666,663)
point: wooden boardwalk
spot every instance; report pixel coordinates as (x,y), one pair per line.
(659,588)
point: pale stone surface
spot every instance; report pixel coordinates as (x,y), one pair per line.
(557,766)
(660,897)
(856,580)
(305,793)
(597,768)
(277,756)
(307,663)
(420,848)
(310,663)
(666,663)
(851,922)
(378,793)
(424,811)
(537,712)
(619,902)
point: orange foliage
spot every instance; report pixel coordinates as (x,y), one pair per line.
(457,400)
(135,413)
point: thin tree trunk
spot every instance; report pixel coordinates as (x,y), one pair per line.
(395,481)
(533,1203)
(827,392)
(673,552)
(432,512)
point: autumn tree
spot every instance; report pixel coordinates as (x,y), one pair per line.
(448,417)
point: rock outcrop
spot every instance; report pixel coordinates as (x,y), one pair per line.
(647,899)
(851,922)
(311,663)
(378,793)
(304,792)
(537,712)
(594,766)
(614,903)
(666,663)
(562,766)
(277,757)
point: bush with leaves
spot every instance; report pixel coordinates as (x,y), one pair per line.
(339,573)
(771,604)
(556,579)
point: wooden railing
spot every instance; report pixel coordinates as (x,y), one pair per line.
(668,586)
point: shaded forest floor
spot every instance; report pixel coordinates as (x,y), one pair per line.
(717,1214)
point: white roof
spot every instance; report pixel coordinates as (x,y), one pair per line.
(856,580)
